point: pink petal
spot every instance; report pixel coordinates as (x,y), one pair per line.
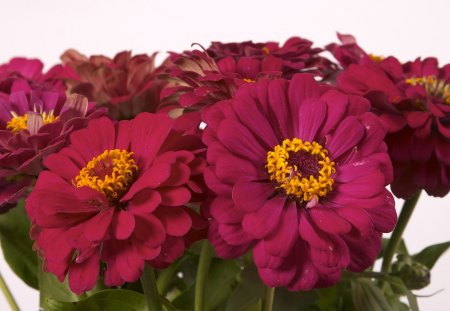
(83,276)
(123,224)
(145,202)
(223,209)
(262,221)
(328,221)
(348,134)
(96,228)
(311,116)
(250,196)
(174,196)
(175,220)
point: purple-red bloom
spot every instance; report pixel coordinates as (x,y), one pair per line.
(117,194)
(413,101)
(31,128)
(299,171)
(349,52)
(294,56)
(22,74)
(125,84)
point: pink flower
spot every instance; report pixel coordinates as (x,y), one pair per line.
(22,74)
(31,128)
(349,52)
(125,84)
(299,171)
(294,56)
(117,194)
(413,101)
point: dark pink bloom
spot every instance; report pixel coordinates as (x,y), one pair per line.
(294,56)
(413,101)
(31,128)
(125,84)
(299,171)
(22,74)
(349,52)
(117,194)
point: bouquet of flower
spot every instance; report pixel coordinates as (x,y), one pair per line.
(241,177)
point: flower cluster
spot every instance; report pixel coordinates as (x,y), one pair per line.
(264,149)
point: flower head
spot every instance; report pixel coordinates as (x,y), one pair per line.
(299,171)
(349,52)
(413,101)
(31,128)
(126,84)
(127,184)
(23,74)
(294,56)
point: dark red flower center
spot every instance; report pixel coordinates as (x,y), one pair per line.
(302,169)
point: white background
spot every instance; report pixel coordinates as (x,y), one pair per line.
(406,29)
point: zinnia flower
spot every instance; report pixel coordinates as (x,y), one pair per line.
(299,171)
(294,56)
(117,194)
(126,84)
(31,128)
(413,101)
(23,74)
(349,52)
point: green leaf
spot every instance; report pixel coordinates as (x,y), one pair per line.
(399,286)
(106,300)
(50,287)
(17,246)
(293,301)
(368,297)
(248,292)
(221,280)
(402,249)
(430,255)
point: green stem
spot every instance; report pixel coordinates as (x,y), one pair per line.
(150,290)
(268,298)
(202,275)
(396,238)
(9,297)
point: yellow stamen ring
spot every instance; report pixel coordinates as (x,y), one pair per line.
(289,177)
(434,86)
(19,123)
(110,173)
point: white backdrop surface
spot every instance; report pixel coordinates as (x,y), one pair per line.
(404,28)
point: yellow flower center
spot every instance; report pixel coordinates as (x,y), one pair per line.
(376,58)
(110,173)
(434,87)
(302,169)
(247,80)
(265,50)
(19,123)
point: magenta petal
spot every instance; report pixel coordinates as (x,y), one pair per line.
(363,187)
(62,166)
(176,221)
(123,224)
(250,115)
(328,221)
(359,219)
(96,227)
(311,116)
(262,221)
(223,249)
(232,169)
(112,277)
(250,196)
(150,179)
(145,202)
(174,196)
(281,276)
(280,107)
(263,259)
(280,242)
(238,139)
(83,276)
(234,235)
(348,134)
(223,209)
(149,230)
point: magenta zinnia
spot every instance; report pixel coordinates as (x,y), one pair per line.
(413,101)
(31,128)
(116,194)
(299,171)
